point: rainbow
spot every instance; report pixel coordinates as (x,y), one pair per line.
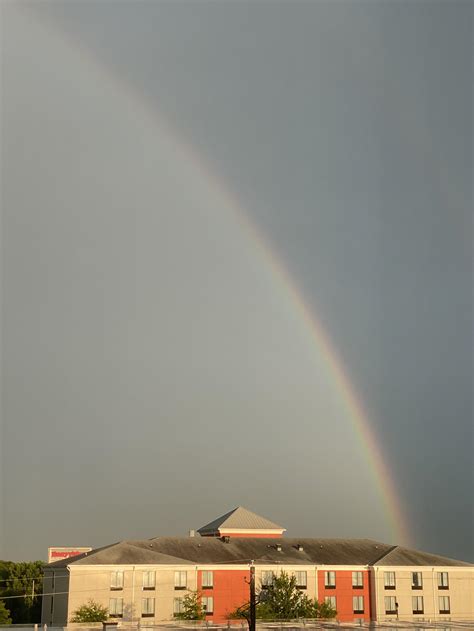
(316,334)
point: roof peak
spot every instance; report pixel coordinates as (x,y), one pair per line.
(241,521)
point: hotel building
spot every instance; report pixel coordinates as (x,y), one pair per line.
(145,581)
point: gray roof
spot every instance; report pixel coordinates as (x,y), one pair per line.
(240,518)
(405,556)
(212,550)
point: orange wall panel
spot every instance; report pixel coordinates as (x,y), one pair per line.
(344,593)
(230,590)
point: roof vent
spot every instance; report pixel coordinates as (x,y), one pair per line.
(299,547)
(278,547)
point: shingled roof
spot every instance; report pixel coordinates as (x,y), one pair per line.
(239,518)
(281,551)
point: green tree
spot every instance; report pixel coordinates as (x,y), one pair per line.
(25,581)
(191,608)
(4,614)
(282,600)
(92,611)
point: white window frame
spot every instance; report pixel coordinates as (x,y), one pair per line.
(149,579)
(148,607)
(357,600)
(267,578)
(115,607)
(180,579)
(417,583)
(207,605)
(331,600)
(389,580)
(443,580)
(389,601)
(330,579)
(357,579)
(116,580)
(415,605)
(207,579)
(177,605)
(443,609)
(301,577)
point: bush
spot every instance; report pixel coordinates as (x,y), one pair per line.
(92,611)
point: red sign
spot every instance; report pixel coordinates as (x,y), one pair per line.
(55,554)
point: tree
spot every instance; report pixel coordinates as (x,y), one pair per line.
(92,611)
(282,600)
(191,608)
(4,614)
(23,579)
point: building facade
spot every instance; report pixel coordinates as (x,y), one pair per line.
(146,581)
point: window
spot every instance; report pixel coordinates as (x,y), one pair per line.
(417,604)
(148,607)
(177,606)
(358,604)
(207,580)
(267,578)
(416,580)
(301,580)
(116,580)
(329,580)
(390,605)
(389,580)
(116,607)
(331,601)
(180,580)
(207,604)
(444,604)
(357,580)
(443,580)
(148,580)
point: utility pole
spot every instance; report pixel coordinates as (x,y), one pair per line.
(252,621)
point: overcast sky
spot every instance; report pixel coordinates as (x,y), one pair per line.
(156,372)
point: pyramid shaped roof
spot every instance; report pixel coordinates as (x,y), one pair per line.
(241,521)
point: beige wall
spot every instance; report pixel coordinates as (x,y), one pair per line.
(460,592)
(94,582)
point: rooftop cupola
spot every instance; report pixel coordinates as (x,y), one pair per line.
(241,522)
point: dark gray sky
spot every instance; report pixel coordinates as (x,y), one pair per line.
(155,371)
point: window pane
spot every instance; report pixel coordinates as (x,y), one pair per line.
(207,579)
(417,579)
(180,579)
(389,579)
(443,580)
(207,603)
(267,577)
(444,604)
(357,580)
(330,579)
(148,580)
(301,579)
(417,604)
(116,580)
(358,604)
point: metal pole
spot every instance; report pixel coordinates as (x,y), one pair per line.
(252,622)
